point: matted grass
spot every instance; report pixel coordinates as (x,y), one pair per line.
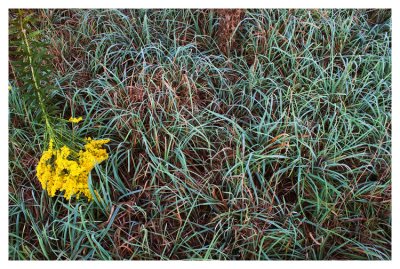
(277,146)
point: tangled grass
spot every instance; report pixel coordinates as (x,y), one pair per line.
(270,139)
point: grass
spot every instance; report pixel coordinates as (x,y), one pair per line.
(278,147)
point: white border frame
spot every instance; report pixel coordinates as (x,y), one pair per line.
(5,5)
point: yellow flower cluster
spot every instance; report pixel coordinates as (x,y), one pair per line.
(67,171)
(75,120)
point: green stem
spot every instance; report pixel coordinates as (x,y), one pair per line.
(35,81)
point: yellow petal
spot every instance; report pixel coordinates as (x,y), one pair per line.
(75,120)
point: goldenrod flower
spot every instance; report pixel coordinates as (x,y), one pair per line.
(65,170)
(75,120)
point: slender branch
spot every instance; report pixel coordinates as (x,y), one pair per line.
(35,81)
